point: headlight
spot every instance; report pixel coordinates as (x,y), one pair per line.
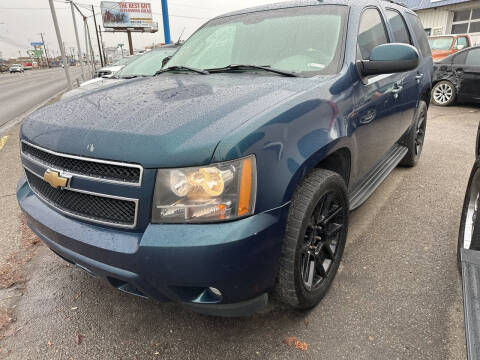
(217,192)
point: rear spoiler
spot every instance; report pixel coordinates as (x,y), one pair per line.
(470,262)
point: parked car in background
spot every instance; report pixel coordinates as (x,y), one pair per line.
(230,174)
(445,45)
(457,78)
(468,256)
(16,68)
(146,64)
(4,68)
(110,70)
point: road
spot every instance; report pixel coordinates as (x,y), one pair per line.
(397,294)
(20,92)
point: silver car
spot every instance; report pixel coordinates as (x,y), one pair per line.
(16,68)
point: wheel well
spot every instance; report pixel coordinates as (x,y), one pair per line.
(339,162)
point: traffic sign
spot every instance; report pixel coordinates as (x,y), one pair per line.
(36,44)
(35,53)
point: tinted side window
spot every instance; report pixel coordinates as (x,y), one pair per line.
(398,26)
(371,32)
(461,42)
(473,58)
(419,34)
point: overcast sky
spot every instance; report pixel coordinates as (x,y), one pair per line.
(22,21)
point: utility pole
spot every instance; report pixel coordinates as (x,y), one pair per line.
(45,49)
(98,39)
(87,51)
(91,49)
(60,43)
(130,45)
(103,47)
(166,22)
(80,58)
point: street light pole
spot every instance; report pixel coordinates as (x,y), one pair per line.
(78,40)
(166,22)
(60,44)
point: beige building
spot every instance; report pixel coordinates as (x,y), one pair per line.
(442,17)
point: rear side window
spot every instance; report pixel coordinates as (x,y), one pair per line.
(461,43)
(420,35)
(473,58)
(371,32)
(398,26)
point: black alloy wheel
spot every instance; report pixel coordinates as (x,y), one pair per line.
(315,238)
(320,246)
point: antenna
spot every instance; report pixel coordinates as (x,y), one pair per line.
(178,41)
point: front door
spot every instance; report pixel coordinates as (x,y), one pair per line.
(377,114)
(470,88)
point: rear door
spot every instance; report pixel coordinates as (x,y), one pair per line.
(410,93)
(424,71)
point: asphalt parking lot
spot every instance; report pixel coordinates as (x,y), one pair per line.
(397,294)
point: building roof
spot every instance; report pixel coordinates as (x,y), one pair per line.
(428,4)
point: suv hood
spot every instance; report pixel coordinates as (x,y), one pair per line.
(165,121)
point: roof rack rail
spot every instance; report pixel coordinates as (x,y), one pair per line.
(396,3)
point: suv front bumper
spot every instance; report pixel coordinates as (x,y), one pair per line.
(179,263)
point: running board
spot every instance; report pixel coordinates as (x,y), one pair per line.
(375,177)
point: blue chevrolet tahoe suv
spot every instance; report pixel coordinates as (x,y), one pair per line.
(229,176)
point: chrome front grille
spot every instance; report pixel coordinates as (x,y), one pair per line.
(129,174)
(96,208)
(76,199)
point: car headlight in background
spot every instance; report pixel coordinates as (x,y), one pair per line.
(216,192)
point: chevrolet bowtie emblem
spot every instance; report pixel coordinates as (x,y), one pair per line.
(55,179)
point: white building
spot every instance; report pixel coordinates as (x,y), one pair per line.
(442,17)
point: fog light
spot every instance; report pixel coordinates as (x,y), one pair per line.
(215,292)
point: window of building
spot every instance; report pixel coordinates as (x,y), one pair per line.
(398,26)
(371,32)
(466,21)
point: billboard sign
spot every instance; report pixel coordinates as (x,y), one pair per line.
(126,14)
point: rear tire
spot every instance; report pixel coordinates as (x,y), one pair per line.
(444,93)
(469,233)
(314,241)
(416,136)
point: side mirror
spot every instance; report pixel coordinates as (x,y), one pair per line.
(165,61)
(389,58)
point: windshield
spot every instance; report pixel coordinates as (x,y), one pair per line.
(16,65)
(443,43)
(307,40)
(147,64)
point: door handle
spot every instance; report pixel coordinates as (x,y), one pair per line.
(397,88)
(419,77)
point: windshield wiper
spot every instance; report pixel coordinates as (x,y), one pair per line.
(253,67)
(182,68)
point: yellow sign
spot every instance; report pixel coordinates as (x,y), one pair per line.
(3,141)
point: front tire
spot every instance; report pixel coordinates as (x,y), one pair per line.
(444,93)
(469,234)
(314,241)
